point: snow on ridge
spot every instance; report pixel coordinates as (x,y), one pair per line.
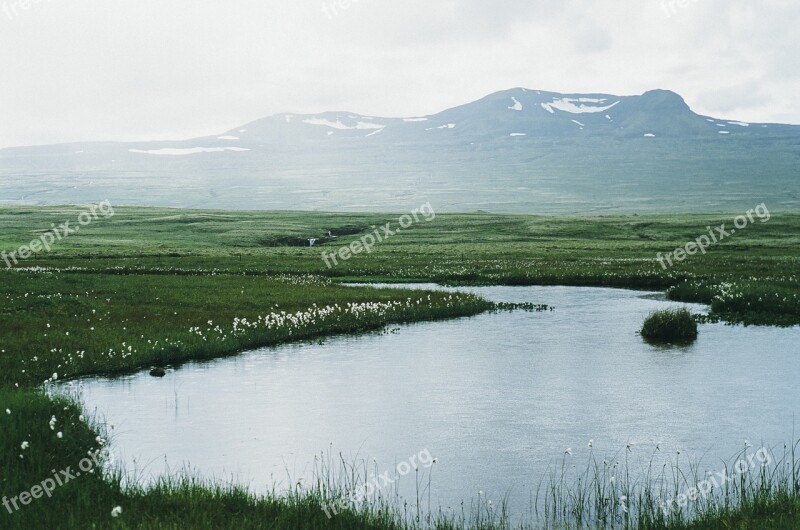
(583,106)
(414,119)
(227,137)
(174,151)
(517,105)
(373,133)
(445,126)
(739,123)
(341,126)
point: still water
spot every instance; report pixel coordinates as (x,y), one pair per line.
(497,399)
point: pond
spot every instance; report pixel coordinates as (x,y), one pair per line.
(497,399)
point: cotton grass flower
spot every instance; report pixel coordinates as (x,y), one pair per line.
(117,511)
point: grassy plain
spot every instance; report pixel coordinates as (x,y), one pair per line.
(154,287)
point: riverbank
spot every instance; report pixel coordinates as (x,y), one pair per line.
(154,287)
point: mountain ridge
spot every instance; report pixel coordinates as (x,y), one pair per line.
(515,112)
(539,113)
(513,151)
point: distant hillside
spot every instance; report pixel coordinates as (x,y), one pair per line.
(518,150)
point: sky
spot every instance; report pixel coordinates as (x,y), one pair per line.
(118,70)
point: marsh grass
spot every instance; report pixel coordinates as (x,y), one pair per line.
(77,324)
(616,491)
(670,326)
(144,286)
(756,275)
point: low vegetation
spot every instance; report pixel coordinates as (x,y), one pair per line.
(670,326)
(150,288)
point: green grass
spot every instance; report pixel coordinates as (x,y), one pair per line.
(669,326)
(75,324)
(156,287)
(481,249)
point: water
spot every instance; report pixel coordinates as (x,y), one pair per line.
(496,399)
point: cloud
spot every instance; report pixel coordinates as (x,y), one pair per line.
(156,70)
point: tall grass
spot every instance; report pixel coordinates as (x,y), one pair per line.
(76,324)
(669,326)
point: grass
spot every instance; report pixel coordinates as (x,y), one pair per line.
(157,287)
(670,326)
(752,276)
(75,324)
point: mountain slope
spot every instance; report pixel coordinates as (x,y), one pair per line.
(518,150)
(515,112)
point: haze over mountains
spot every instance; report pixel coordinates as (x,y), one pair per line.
(518,150)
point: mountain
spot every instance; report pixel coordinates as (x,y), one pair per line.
(518,150)
(514,113)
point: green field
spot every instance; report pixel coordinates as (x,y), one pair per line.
(154,287)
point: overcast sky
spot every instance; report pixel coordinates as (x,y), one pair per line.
(170,69)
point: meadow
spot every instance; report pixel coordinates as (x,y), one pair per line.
(158,287)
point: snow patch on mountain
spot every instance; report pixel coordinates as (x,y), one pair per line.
(517,105)
(445,126)
(341,126)
(578,105)
(227,137)
(739,123)
(169,151)
(414,119)
(517,134)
